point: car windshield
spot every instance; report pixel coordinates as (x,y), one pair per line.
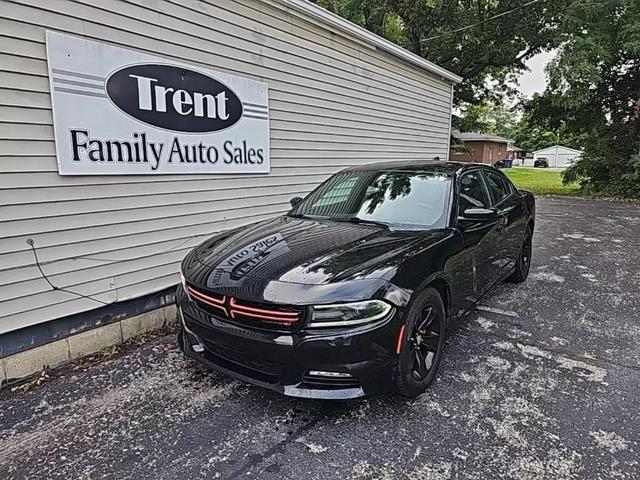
(401,199)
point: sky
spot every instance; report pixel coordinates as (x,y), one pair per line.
(536,79)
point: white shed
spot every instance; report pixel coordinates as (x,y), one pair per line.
(558,156)
(323,94)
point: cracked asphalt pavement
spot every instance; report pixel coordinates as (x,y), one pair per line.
(542,381)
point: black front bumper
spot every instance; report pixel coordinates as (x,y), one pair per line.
(282,361)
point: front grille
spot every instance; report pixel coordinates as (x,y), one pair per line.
(262,370)
(258,315)
(314,381)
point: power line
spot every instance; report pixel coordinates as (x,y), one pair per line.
(467,27)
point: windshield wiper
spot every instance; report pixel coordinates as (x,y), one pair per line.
(310,217)
(362,220)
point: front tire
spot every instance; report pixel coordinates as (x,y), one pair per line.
(523,264)
(422,344)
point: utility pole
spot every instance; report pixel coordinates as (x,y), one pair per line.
(557,145)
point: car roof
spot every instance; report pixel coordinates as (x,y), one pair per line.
(435,166)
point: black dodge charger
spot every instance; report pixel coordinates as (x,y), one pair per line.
(351,292)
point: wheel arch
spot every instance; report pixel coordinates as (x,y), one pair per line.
(531,223)
(441,285)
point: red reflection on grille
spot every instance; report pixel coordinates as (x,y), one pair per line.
(233,309)
(261,313)
(218,303)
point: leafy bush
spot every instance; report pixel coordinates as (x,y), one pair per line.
(602,175)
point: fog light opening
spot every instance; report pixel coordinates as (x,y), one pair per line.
(197,345)
(321,373)
(193,339)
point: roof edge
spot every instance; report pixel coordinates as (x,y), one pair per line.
(336,21)
(480,137)
(559,146)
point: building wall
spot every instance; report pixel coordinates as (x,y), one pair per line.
(335,101)
(482,152)
(562,158)
(493,152)
(474,153)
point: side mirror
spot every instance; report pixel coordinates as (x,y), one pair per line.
(295,201)
(485,214)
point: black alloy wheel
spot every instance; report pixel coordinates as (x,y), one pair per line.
(422,344)
(523,264)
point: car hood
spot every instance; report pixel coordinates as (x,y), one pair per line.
(310,252)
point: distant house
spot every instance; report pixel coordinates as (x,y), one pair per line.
(516,154)
(558,156)
(479,147)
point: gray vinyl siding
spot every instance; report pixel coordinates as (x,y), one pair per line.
(335,101)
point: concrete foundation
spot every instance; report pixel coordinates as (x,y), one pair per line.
(91,341)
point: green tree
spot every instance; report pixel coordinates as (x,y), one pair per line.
(534,132)
(476,39)
(594,91)
(496,117)
(371,14)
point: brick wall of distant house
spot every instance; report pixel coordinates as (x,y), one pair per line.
(474,153)
(493,152)
(482,152)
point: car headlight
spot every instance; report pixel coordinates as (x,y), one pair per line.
(348,314)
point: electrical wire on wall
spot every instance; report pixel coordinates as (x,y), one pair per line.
(54,287)
(181,243)
(38,264)
(32,244)
(116,260)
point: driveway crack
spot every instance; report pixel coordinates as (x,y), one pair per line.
(276,448)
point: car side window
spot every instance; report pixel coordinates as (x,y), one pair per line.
(498,187)
(473,192)
(511,188)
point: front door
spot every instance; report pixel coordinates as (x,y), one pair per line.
(480,236)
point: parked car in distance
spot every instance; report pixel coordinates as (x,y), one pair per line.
(352,291)
(541,163)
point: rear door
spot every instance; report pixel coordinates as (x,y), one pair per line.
(510,226)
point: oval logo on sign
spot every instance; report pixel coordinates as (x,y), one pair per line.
(174,98)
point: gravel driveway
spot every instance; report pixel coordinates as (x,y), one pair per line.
(541,382)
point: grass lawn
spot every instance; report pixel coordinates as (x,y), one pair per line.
(540,181)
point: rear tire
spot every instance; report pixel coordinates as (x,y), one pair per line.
(523,264)
(422,344)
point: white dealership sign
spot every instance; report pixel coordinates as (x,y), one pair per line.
(120,112)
